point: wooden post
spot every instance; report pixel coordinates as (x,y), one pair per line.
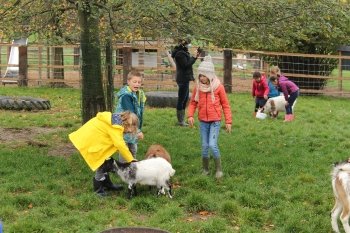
(127,62)
(48,62)
(159,63)
(22,66)
(76,56)
(40,62)
(340,72)
(228,70)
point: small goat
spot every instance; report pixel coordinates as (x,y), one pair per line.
(153,172)
(275,105)
(157,151)
(341,189)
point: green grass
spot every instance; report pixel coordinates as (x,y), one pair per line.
(276,175)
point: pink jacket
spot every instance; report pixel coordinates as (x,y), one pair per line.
(260,88)
(209,111)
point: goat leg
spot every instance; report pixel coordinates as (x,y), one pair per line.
(169,190)
(131,187)
(135,191)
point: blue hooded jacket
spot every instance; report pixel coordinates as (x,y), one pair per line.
(134,102)
(273,91)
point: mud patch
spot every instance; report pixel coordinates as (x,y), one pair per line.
(26,136)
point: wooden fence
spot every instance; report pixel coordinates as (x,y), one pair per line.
(37,65)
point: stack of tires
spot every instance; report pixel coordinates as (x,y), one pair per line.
(23,103)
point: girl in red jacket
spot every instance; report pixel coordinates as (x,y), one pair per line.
(260,91)
(210,97)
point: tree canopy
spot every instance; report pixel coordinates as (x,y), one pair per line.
(303,26)
(279,25)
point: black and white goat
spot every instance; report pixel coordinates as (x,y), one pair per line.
(153,172)
(341,189)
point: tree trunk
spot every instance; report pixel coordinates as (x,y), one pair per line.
(109,74)
(93,100)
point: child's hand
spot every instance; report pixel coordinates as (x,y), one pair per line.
(228,128)
(190,121)
(265,97)
(139,135)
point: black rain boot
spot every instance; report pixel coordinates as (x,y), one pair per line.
(205,162)
(180,117)
(99,188)
(217,162)
(107,183)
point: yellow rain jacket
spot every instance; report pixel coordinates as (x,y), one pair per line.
(98,139)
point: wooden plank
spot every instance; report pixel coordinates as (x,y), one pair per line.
(4,82)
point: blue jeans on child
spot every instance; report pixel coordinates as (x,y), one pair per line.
(291,100)
(209,135)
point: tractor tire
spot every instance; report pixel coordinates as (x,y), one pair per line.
(162,99)
(24,103)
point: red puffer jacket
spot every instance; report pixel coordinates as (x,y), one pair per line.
(209,111)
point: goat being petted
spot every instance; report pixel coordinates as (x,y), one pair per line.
(153,172)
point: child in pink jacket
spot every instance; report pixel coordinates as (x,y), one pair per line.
(260,91)
(210,98)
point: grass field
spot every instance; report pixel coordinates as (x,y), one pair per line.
(276,175)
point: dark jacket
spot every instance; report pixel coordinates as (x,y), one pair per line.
(184,62)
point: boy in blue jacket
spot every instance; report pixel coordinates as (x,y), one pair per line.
(132,98)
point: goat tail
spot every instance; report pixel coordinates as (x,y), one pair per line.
(171,172)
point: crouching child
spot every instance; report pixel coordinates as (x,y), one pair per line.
(101,137)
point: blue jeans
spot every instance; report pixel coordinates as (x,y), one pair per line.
(209,135)
(291,100)
(182,95)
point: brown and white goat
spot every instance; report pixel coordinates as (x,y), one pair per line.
(275,105)
(341,189)
(157,151)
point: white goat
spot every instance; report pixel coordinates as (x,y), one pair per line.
(153,172)
(275,105)
(157,151)
(341,189)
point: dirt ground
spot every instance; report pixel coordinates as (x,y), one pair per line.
(26,136)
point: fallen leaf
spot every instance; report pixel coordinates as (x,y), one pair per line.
(203,213)
(30,206)
(189,219)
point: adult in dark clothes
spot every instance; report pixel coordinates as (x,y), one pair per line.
(184,74)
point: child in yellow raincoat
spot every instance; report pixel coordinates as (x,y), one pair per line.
(101,137)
